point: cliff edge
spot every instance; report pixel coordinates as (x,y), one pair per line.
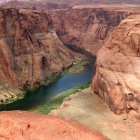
(117,71)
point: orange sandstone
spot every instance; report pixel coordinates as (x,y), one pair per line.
(21,125)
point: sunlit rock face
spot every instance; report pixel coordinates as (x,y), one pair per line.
(19,125)
(117,71)
(87,27)
(30,50)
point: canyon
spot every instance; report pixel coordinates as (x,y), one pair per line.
(114,107)
(89,26)
(115,80)
(86,26)
(30,51)
(34,46)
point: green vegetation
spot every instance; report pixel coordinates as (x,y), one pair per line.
(11,98)
(78,67)
(55,102)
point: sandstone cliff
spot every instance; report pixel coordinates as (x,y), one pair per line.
(30,50)
(87,27)
(117,70)
(18,125)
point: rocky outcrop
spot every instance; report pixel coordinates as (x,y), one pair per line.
(117,70)
(30,50)
(87,28)
(18,125)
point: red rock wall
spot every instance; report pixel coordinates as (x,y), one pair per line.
(86,28)
(117,71)
(30,50)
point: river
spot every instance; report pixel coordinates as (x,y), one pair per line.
(44,94)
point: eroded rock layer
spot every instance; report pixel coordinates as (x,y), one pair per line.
(87,28)
(30,50)
(117,70)
(18,125)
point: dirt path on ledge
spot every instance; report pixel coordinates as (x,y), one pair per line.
(89,110)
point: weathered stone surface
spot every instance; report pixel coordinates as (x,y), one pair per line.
(86,27)
(19,125)
(117,70)
(30,50)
